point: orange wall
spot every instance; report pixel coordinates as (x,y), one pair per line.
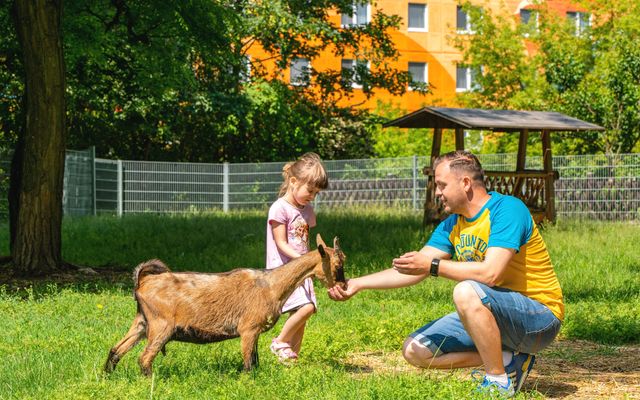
(433,47)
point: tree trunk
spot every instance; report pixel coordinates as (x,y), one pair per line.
(38,164)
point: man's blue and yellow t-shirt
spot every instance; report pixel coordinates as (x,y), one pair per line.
(505,221)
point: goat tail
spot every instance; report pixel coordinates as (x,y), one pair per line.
(151,267)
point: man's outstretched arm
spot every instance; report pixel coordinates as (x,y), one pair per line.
(386,279)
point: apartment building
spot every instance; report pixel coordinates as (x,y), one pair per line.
(424,41)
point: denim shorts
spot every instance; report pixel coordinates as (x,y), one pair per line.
(525,324)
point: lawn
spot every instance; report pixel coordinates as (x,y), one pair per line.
(56,335)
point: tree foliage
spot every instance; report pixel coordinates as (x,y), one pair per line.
(11,80)
(167,80)
(593,75)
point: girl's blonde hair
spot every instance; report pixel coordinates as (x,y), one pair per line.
(308,169)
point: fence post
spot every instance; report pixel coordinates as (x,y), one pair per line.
(93,170)
(225,187)
(119,190)
(414,173)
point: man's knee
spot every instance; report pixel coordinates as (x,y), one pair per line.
(465,296)
(416,353)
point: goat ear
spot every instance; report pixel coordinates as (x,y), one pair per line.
(322,252)
(319,241)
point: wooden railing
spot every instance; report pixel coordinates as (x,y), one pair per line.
(530,186)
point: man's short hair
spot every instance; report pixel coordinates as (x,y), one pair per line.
(462,161)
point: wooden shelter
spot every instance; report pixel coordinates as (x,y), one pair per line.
(534,187)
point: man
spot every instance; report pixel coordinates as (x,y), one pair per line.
(508,300)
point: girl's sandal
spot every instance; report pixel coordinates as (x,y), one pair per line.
(283,351)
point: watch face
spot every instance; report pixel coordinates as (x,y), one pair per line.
(434,267)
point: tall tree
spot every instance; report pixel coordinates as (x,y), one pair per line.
(38,161)
(590,72)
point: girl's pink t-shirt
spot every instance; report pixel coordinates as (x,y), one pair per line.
(297,221)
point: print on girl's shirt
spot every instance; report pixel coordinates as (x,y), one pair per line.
(299,233)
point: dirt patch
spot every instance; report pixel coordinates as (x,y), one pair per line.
(585,370)
(568,369)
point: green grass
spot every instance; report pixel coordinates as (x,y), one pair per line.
(55,338)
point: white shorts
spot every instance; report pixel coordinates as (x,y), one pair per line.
(304,294)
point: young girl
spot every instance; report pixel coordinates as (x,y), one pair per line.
(290,218)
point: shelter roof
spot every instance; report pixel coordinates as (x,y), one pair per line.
(496,120)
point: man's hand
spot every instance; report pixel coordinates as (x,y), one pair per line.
(412,263)
(338,293)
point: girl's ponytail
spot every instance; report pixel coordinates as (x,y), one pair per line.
(286,174)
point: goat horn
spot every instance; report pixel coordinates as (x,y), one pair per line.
(336,244)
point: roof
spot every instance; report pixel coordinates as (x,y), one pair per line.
(497,120)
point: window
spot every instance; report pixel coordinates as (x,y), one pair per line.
(419,75)
(350,71)
(529,18)
(463,21)
(241,70)
(418,18)
(466,78)
(299,72)
(361,15)
(245,73)
(580,20)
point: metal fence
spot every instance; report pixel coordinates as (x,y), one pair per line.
(136,186)
(592,186)
(78,197)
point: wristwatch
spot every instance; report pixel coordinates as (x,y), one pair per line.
(435,265)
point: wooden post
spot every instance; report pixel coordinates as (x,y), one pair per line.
(435,146)
(459,139)
(549,191)
(522,150)
(430,198)
(521,162)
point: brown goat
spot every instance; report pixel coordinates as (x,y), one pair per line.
(211,307)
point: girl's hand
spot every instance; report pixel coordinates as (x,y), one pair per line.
(338,293)
(280,238)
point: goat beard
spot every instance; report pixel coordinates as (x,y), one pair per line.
(340,276)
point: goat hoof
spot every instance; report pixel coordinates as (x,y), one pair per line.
(109,367)
(111,363)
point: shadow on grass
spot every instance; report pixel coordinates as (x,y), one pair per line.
(90,280)
(351,368)
(221,360)
(551,388)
